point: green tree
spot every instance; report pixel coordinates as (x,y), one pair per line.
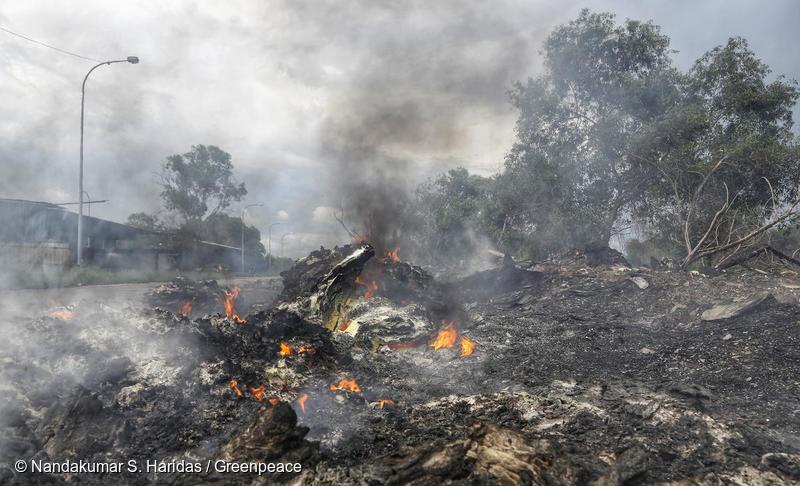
(448,209)
(726,156)
(611,134)
(200,183)
(569,168)
(146,221)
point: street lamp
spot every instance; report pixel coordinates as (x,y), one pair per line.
(129,59)
(282,237)
(269,245)
(242,220)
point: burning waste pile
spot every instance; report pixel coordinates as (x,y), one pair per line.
(367,370)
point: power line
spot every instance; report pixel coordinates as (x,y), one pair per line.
(49,46)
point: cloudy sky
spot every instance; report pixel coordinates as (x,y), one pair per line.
(302,93)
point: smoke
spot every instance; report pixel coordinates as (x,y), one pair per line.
(317,101)
(423,79)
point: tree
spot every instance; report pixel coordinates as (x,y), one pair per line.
(200,183)
(150,222)
(220,229)
(448,209)
(704,163)
(726,155)
(603,84)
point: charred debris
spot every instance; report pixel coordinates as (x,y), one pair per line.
(368,370)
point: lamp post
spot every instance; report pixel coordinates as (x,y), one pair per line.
(242,220)
(129,59)
(282,237)
(269,246)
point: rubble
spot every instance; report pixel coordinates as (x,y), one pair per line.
(186,296)
(726,311)
(369,371)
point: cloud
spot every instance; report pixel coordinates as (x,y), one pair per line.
(282,215)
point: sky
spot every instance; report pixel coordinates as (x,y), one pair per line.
(312,98)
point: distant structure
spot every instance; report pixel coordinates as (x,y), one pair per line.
(43,236)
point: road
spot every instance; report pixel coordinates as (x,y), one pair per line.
(32,301)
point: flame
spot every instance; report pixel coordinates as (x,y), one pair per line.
(258,393)
(307,349)
(286,349)
(467,346)
(446,337)
(289,350)
(230,310)
(349,385)
(344,325)
(385,401)
(371,287)
(392,256)
(274,400)
(63,314)
(301,400)
(186,308)
(235,387)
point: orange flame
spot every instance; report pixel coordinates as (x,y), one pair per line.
(274,400)
(385,401)
(344,325)
(258,393)
(186,308)
(467,346)
(289,350)
(286,349)
(307,349)
(446,337)
(235,387)
(63,314)
(349,385)
(301,400)
(392,256)
(230,310)
(371,287)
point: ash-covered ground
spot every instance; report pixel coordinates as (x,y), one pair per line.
(367,370)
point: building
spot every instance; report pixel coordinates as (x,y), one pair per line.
(41,235)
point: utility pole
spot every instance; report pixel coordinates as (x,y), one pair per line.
(129,59)
(242,221)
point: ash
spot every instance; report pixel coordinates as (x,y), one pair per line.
(367,370)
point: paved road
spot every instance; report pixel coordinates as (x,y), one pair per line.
(31,302)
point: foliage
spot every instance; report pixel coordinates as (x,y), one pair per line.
(611,135)
(220,229)
(146,221)
(728,161)
(603,83)
(447,209)
(198,186)
(199,179)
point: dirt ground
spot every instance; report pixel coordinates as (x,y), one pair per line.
(579,375)
(629,384)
